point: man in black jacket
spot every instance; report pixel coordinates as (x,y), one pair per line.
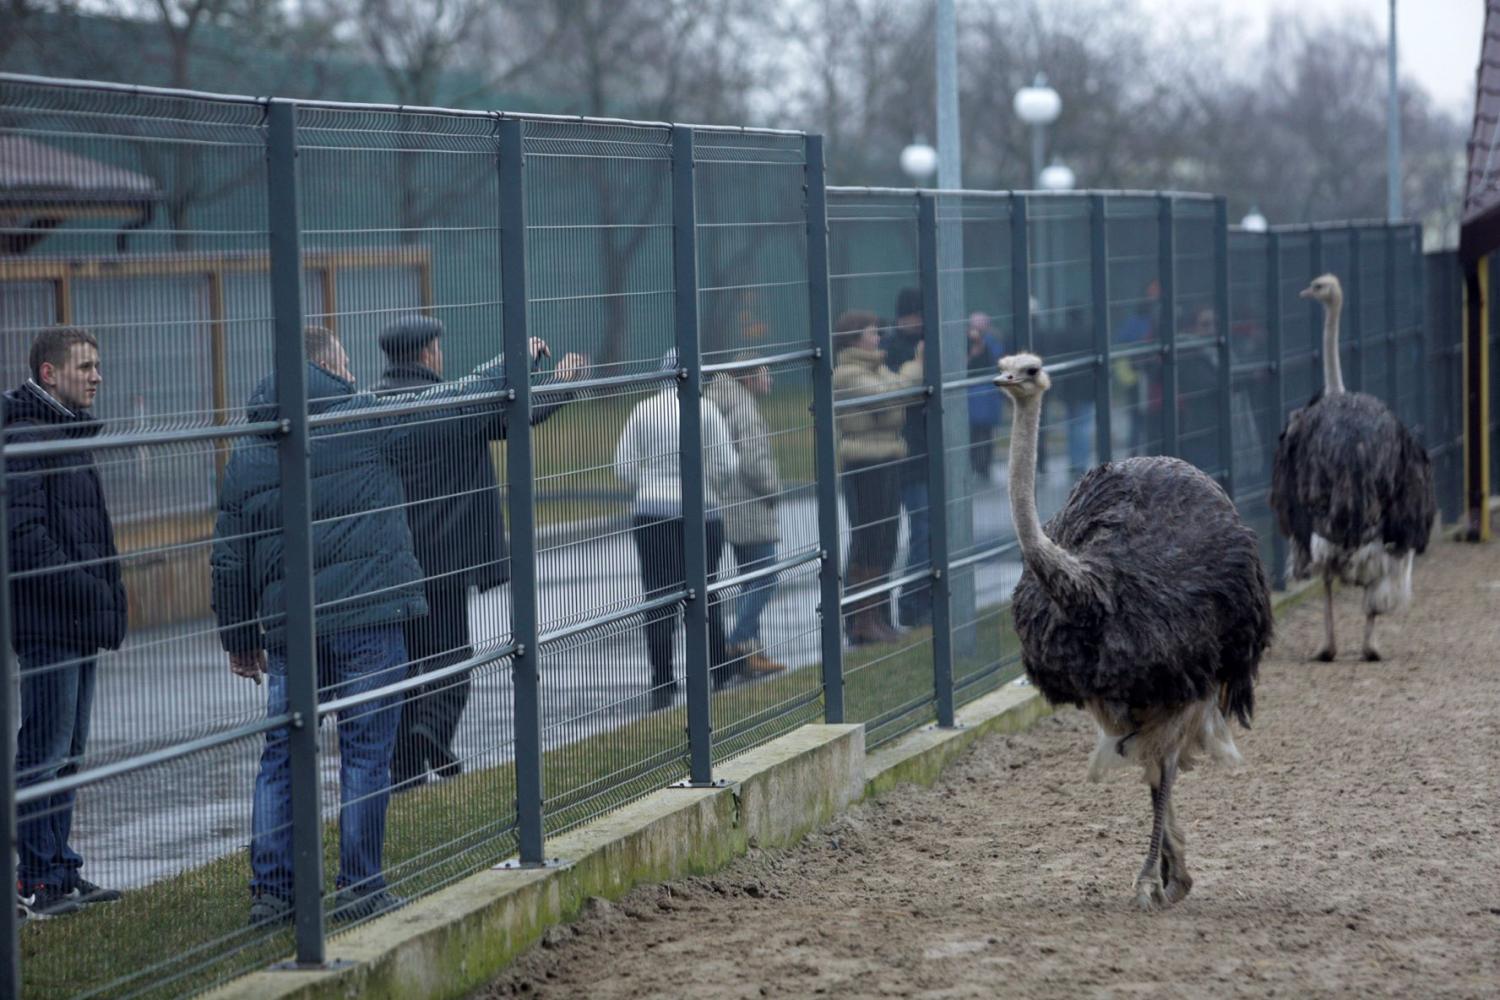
(453,506)
(67,603)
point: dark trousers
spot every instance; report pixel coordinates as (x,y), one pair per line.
(430,713)
(872,498)
(57,694)
(659,545)
(981,449)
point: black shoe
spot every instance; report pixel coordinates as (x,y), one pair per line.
(351,905)
(40,901)
(86,892)
(269,909)
(444,764)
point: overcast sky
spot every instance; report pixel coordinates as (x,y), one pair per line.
(1437,40)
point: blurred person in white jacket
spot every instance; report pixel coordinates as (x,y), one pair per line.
(646,460)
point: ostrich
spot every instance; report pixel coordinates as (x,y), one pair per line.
(1351,488)
(1144,602)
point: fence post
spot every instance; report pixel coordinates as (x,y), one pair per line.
(1392,382)
(526,663)
(1278,381)
(1221,333)
(1020,275)
(10,924)
(1353,330)
(1420,303)
(294,453)
(824,433)
(1166,248)
(1099,284)
(690,456)
(937,465)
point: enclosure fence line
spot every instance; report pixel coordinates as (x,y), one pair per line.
(716,293)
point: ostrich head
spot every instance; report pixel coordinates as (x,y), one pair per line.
(1326,289)
(1023,376)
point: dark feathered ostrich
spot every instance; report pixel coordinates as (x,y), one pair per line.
(1351,488)
(1144,602)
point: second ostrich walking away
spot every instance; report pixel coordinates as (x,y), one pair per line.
(1351,488)
(1144,602)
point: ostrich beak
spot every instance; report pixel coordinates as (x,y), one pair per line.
(1006,378)
(1308,293)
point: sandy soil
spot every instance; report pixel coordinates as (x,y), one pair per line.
(1356,854)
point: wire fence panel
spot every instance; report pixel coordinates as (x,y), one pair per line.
(313,460)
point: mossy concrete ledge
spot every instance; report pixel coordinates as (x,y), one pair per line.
(454,941)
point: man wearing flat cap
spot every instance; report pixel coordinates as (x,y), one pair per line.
(453,507)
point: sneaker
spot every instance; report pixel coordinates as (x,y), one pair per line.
(43,901)
(87,892)
(267,908)
(758,664)
(351,904)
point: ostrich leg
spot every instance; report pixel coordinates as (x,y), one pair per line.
(1330,649)
(1150,894)
(1174,860)
(1371,652)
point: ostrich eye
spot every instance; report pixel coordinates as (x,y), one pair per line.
(1032,370)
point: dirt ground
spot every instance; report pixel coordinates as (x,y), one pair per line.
(1355,853)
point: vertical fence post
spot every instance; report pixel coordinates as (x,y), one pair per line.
(1278,381)
(294,452)
(10,924)
(1353,330)
(825,444)
(526,664)
(1221,333)
(1423,335)
(1020,275)
(937,465)
(1166,249)
(1392,324)
(690,456)
(1099,285)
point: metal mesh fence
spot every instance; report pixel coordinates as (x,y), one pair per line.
(756,476)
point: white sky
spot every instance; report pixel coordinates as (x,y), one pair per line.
(1437,40)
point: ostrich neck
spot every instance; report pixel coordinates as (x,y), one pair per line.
(1036,547)
(1333,372)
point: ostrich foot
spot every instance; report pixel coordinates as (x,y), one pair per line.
(1325,655)
(1177,887)
(1371,655)
(1150,894)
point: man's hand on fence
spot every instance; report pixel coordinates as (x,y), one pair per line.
(539,349)
(571,366)
(251,664)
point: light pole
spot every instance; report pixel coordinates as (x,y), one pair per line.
(1253,222)
(919,161)
(1038,106)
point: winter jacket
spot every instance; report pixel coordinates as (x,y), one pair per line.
(60,531)
(868,436)
(364,570)
(750,499)
(454,510)
(901,357)
(646,457)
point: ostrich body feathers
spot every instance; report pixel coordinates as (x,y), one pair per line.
(1353,491)
(1164,603)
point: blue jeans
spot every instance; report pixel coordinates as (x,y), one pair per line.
(914,604)
(755,596)
(349,663)
(55,706)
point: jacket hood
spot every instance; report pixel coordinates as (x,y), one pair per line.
(29,403)
(325,391)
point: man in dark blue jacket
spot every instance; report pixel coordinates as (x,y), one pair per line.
(67,603)
(367,584)
(453,506)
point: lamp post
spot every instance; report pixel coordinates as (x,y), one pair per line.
(919,161)
(1038,106)
(1253,222)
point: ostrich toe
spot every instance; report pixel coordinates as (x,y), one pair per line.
(1371,655)
(1325,655)
(1150,894)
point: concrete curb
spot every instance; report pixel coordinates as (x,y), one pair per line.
(457,940)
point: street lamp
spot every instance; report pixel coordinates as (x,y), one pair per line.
(1057,177)
(1253,222)
(919,160)
(1038,106)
